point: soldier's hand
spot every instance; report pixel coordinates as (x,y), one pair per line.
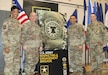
(80,47)
(7,50)
(25,47)
(40,49)
(101,44)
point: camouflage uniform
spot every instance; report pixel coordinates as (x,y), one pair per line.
(96,38)
(10,38)
(31,37)
(75,39)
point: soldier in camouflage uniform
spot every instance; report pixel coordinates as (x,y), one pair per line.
(32,43)
(75,43)
(96,38)
(10,39)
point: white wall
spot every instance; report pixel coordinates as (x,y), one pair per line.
(77,4)
(6,4)
(69,9)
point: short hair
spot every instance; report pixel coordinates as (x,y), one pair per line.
(93,13)
(74,16)
(14,7)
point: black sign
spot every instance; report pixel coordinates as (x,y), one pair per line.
(54,62)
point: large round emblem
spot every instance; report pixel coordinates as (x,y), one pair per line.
(52,28)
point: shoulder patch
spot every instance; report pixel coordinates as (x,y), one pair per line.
(4,26)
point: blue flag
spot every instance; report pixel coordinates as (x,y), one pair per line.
(106,7)
(75,14)
(89,12)
(101,13)
(68,23)
(98,12)
(16,3)
(95,8)
(106,16)
(106,20)
(85,8)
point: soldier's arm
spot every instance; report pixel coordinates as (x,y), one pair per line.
(41,42)
(87,36)
(43,38)
(5,34)
(82,35)
(23,34)
(64,32)
(104,34)
(5,41)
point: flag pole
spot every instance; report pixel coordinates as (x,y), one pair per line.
(85,53)
(85,29)
(88,55)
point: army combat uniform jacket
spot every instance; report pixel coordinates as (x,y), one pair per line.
(96,39)
(11,31)
(31,37)
(75,39)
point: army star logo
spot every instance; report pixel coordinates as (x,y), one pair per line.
(44,70)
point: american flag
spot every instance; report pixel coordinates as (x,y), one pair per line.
(22,18)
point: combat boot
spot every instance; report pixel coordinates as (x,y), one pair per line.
(99,72)
(94,72)
(79,73)
(35,73)
(70,73)
(84,70)
(73,73)
(88,73)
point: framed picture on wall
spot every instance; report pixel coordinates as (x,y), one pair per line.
(33,5)
(35,8)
